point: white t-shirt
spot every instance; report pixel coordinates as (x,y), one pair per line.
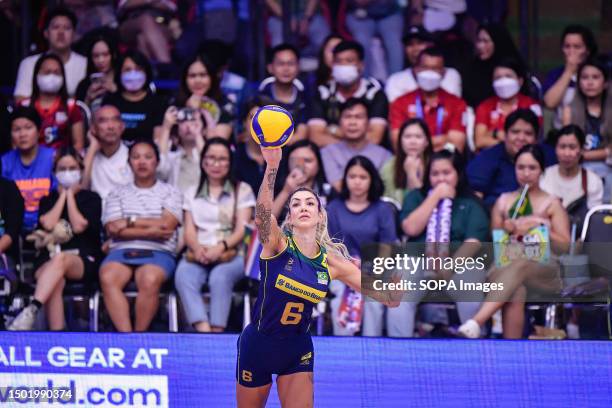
(109,173)
(76,69)
(404,81)
(569,190)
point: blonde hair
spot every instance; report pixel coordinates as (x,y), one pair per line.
(331,245)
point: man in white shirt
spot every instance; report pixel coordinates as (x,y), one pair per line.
(416,40)
(106,161)
(59,32)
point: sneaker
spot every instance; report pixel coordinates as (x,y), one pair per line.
(24,320)
(470,329)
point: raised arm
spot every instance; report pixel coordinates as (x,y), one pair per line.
(270,234)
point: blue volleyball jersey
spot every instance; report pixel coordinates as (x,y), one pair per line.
(290,285)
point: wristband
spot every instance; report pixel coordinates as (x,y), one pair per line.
(131,221)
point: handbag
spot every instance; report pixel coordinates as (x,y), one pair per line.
(229,253)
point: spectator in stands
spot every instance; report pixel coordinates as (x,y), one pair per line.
(139,28)
(216,212)
(250,165)
(578,44)
(367,18)
(29,165)
(444,113)
(347,82)
(100,79)
(591,110)
(307,24)
(284,88)
(302,167)
(326,59)
(11,219)
(537,209)
(415,41)
(493,43)
(353,128)
(491,172)
(509,86)
(443,211)
(142,111)
(357,218)
(59,32)
(75,260)
(62,121)
(106,161)
(199,90)
(180,167)
(404,171)
(578,189)
(142,219)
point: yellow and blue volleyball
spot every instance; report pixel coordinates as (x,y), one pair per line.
(272,126)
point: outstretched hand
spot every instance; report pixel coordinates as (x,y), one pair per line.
(272,156)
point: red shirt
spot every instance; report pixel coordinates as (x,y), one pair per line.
(489,113)
(56,122)
(448,115)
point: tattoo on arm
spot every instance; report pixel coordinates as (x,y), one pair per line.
(263,210)
(265,220)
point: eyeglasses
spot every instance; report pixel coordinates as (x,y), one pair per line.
(213,161)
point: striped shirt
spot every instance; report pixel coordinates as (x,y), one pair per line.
(131,201)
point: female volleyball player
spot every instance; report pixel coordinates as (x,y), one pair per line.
(297,262)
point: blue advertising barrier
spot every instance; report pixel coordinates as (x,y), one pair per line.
(188,370)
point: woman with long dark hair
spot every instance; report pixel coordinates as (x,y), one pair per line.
(101,65)
(215,216)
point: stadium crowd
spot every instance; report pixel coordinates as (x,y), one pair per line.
(409,130)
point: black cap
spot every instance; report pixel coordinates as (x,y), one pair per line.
(26,112)
(417,32)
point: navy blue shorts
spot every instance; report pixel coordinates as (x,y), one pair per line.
(260,356)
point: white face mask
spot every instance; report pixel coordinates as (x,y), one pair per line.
(428,80)
(133,80)
(345,74)
(506,87)
(49,83)
(68,178)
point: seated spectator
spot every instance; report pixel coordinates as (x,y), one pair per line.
(180,167)
(139,28)
(578,44)
(493,43)
(250,165)
(284,88)
(142,220)
(29,165)
(106,161)
(59,32)
(415,41)
(509,86)
(445,193)
(347,83)
(326,59)
(591,110)
(302,167)
(216,212)
(444,113)
(62,121)
(367,18)
(308,26)
(578,189)
(199,90)
(404,171)
(538,208)
(75,260)
(11,219)
(354,142)
(358,218)
(100,79)
(491,172)
(141,110)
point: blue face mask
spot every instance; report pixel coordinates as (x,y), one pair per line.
(133,80)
